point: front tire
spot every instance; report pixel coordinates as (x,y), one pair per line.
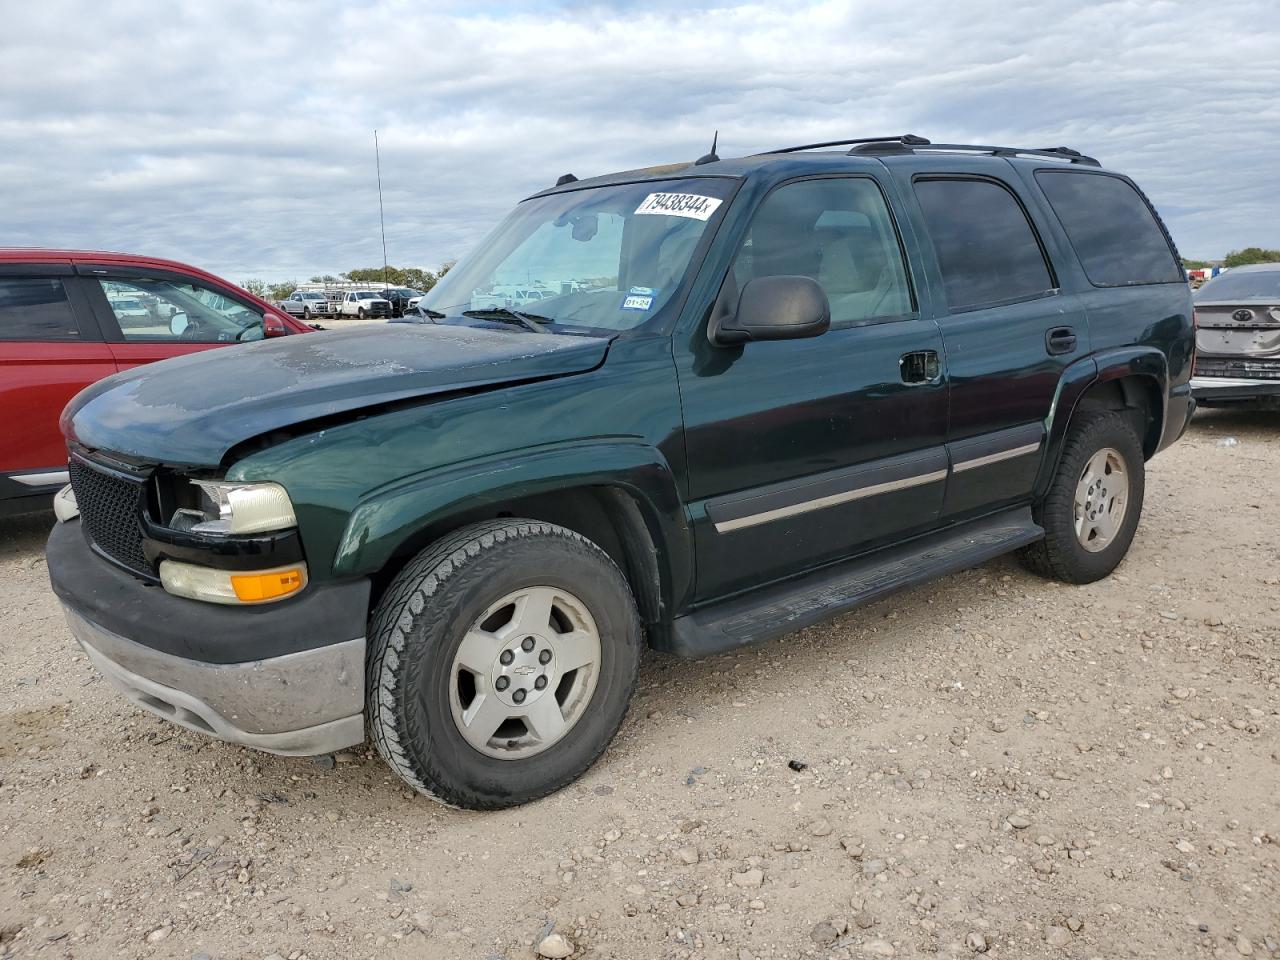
(1091,511)
(360,313)
(502,661)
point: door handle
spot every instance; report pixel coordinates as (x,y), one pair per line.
(919,367)
(1060,340)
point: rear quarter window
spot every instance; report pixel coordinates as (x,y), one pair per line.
(35,309)
(1112,228)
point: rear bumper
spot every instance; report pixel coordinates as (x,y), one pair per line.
(301,704)
(1181,408)
(1233,388)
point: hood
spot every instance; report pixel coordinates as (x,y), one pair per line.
(191,410)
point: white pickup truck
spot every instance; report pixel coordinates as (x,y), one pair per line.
(307,304)
(363,304)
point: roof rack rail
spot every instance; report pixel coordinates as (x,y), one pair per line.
(883,147)
(905,138)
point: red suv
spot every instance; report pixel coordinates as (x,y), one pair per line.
(68,318)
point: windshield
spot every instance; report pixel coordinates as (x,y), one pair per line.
(1247,285)
(368,296)
(600,260)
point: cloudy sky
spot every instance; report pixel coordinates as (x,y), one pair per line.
(239,135)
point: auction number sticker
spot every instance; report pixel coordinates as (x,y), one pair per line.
(691,205)
(637,303)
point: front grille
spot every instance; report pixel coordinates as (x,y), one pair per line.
(109,508)
(1242,369)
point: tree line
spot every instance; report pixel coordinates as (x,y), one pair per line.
(1239,258)
(416,278)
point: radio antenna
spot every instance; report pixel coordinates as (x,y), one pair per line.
(709,157)
(377,157)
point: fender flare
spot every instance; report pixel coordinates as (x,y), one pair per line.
(389,517)
(1120,363)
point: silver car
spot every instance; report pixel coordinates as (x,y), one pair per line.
(1238,342)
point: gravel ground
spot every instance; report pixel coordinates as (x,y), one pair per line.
(989,764)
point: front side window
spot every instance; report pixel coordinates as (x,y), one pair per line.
(35,309)
(598,261)
(1111,227)
(837,232)
(156,309)
(987,250)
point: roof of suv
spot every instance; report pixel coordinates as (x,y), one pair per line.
(861,152)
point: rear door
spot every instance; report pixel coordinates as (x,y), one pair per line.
(152,314)
(50,349)
(1009,328)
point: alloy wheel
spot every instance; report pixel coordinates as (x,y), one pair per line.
(525,672)
(1102,497)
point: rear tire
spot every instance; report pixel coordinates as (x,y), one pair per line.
(448,643)
(1091,511)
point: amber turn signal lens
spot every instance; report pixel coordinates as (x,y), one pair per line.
(256,587)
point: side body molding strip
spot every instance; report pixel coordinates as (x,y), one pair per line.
(790,498)
(988,448)
(818,491)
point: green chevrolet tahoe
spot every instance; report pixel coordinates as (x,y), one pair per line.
(751,394)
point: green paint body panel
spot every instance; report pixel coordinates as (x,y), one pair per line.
(363,488)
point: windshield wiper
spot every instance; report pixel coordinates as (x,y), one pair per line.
(506,314)
(428,312)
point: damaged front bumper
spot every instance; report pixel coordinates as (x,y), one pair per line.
(286,678)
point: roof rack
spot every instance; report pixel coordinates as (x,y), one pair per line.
(906,138)
(889,147)
(910,143)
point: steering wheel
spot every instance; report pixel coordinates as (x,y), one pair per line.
(192,330)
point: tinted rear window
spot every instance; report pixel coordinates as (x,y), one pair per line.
(1247,285)
(986,247)
(1111,227)
(35,309)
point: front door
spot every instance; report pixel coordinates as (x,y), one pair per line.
(1009,328)
(802,452)
(152,315)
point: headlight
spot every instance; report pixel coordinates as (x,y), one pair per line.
(231,508)
(231,586)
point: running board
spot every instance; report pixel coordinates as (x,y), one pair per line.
(826,593)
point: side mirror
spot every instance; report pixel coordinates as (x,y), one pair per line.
(273,326)
(775,308)
(178,324)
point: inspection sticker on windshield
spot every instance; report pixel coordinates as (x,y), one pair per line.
(637,303)
(689,205)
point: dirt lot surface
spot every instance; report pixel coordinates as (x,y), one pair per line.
(992,763)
